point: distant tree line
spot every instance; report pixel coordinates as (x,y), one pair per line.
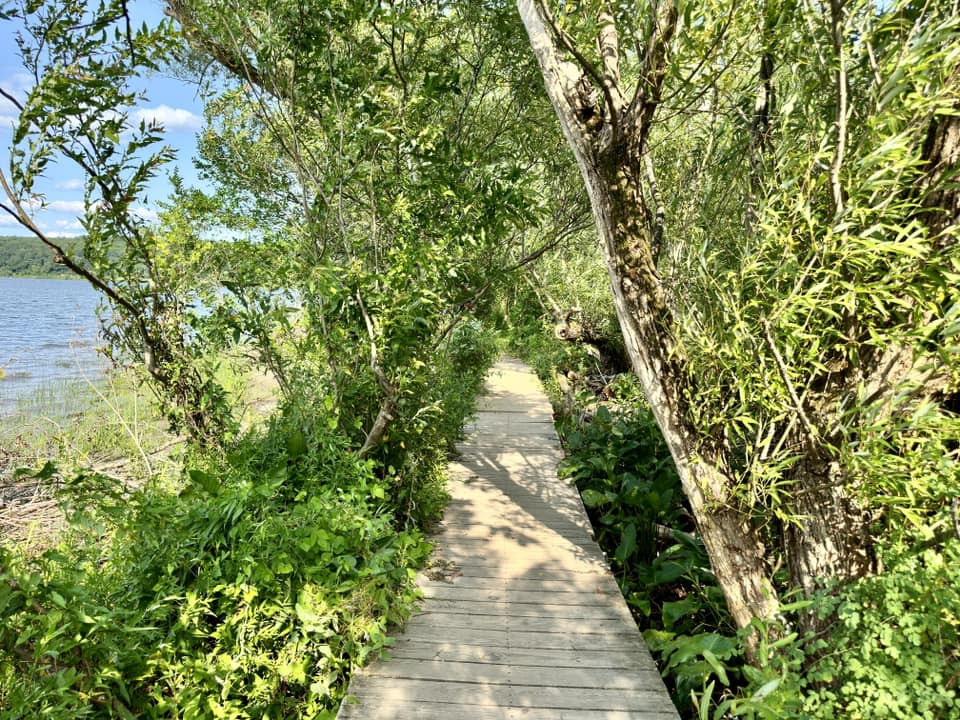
(28,257)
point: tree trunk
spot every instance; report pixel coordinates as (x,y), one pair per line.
(736,553)
(831,541)
(608,144)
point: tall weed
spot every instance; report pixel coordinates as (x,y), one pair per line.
(247,591)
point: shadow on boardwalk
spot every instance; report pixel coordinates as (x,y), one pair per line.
(521,617)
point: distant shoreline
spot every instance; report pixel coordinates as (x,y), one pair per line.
(29,258)
(49,276)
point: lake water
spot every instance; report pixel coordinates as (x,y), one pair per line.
(48,337)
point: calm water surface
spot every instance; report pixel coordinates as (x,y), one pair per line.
(48,337)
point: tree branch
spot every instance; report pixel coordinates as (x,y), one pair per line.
(659,214)
(836,31)
(543,44)
(235,63)
(610,93)
(389,405)
(812,434)
(609,44)
(125,13)
(652,73)
(16,103)
(567,43)
(61,258)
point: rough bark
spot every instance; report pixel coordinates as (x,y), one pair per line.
(609,144)
(832,542)
(941,155)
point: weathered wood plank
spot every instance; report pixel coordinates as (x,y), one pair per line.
(508,673)
(522,571)
(627,659)
(552,611)
(451,711)
(551,586)
(523,640)
(524,529)
(487,594)
(393,690)
(530,563)
(445,620)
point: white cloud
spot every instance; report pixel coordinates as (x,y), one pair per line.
(170,118)
(68,225)
(72,184)
(6,219)
(18,81)
(70,206)
(15,84)
(145,214)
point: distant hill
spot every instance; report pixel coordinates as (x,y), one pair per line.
(28,257)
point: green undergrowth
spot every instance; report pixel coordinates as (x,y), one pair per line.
(248,591)
(630,488)
(248,586)
(891,644)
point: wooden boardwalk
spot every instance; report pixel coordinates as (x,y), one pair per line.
(521,618)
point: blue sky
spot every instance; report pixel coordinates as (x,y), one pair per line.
(173,102)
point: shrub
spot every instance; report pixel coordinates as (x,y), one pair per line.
(247,592)
(894,648)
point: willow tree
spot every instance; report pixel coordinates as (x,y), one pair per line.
(849,179)
(381,154)
(84,64)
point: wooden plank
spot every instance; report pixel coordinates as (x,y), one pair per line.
(522,572)
(553,586)
(451,711)
(511,538)
(530,509)
(571,626)
(627,659)
(521,551)
(394,690)
(556,521)
(489,594)
(520,563)
(539,531)
(509,673)
(523,640)
(552,611)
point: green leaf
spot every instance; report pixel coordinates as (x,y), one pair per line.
(717,666)
(593,498)
(204,481)
(628,542)
(766,689)
(666,572)
(296,444)
(674,611)
(46,472)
